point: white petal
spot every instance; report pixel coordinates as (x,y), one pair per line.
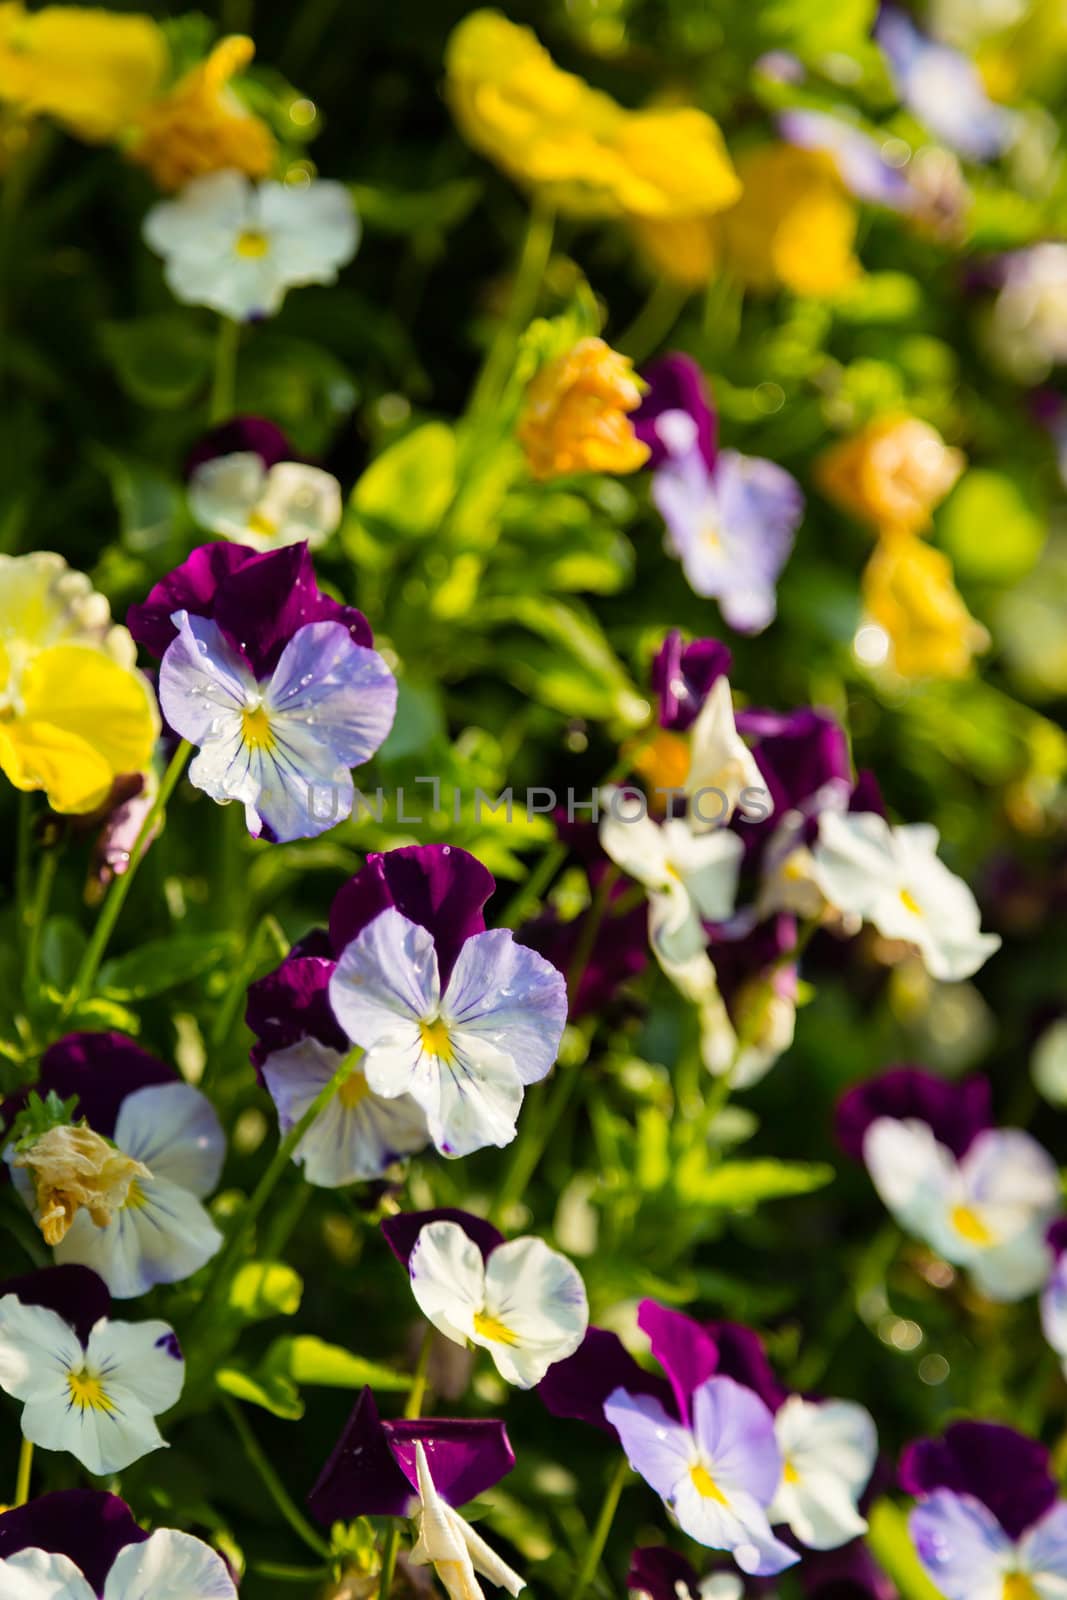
(478,1097)
(169,1566)
(224,491)
(104,1438)
(176,1132)
(448,1279)
(301,502)
(204,685)
(165,1238)
(539,1296)
(37,1350)
(708,865)
(509,996)
(141,1360)
(720,760)
(42,1575)
(911,1171)
(637,846)
(675,930)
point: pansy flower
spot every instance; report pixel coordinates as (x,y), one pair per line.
(520,1300)
(265,508)
(683,674)
(942,88)
(982,1197)
(121,1190)
(88,1385)
(238,246)
(731,518)
(457,1017)
(81,1544)
(893,878)
(989,1524)
(857,155)
(274,682)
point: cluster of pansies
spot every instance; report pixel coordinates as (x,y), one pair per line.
(604,1076)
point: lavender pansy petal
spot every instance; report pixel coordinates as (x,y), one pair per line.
(86,1525)
(402,1231)
(578,1386)
(1006,1471)
(656,1446)
(943,88)
(508,996)
(736,1430)
(77,1294)
(858,156)
(685,1350)
(956,1112)
(961,1545)
(760,505)
(1044,1546)
(327,691)
(385,977)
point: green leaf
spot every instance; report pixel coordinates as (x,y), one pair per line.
(570,666)
(410,485)
(984,500)
(385,210)
(160,361)
(62,947)
(163,964)
(740,1185)
(891,1546)
(266,1289)
(274,1393)
(307,1359)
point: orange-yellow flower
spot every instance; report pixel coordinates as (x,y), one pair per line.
(200,126)
(794,226)
(908,592)
(93,71)
(576,146)
(893,473)
(574,416)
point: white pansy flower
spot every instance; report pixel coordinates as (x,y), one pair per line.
(452,1547)
(358,1134)
(158,1231)
(526,1305)
(98,1401)
(168,1565)
(828,1450)
(691,878)
(265,507)
(892,878)
(987,1211)
(721,766)
(238,246)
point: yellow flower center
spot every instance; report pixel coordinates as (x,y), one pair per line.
(435,1040)
(1018,1587)
(709,536)
(790,1473)
(909,902)
(258,523)
(251,244)
(354,1090)
(255,726)
(969,1225)
(705,1484)
(487,1327)
(88,1393)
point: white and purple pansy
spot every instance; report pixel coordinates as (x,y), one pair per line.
(163,1149)
(82,1544)
(89,1385)
(859,156)
(275,683)
(989,1524)
(520,1300)
(1054,1294)
(982,1197)
(730,518)
(943,89)
(457,1017)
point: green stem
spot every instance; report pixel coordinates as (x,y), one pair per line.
(22,1478)
(390,1551)
(46,877)
(230,1003)
(417,1392)
(272,1483)
(284,1573)
(603,1528)
(120,886)
(263,1190)
(653,322)
(535,885)
(23,861)
(526,285)
(224,383)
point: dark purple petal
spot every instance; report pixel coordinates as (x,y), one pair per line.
(191,587)
(87,1525)
(1008,1472)
(1056,1237)
(743,1358)
(798,753)
(957,1112)
(848,1573)
(675,383)
(402,1231)
(292,1002)
(439,886)
(661,1573)
(684,1349)
(255,435)
(579,1386)
(866,794)
(101,1069)
(683,674)
(74,1293)
(739,961)
(619,952)
(361,1477)
(466,1456)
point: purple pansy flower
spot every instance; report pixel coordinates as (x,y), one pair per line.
(970,1556)
(676,384)
(248,435)
(77,1294)
(159,1231)
(857,155)
(1009,1473)
(81,1544)
(683,675)
(942,88)
(955,1112)
(579,1386)
(371,1470)
(274,682)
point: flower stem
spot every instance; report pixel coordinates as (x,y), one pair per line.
(653,322)
(120,886)
(273,1484)
(417,1392)
(603,1528)
(533,260)
(224,383)
(390,1551)
(35,919)
(22,1479)
(535,885)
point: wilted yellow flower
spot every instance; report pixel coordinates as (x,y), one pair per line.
(74,712)
(893,473)
(200,126)
(574,414)
(72,1168)
(93,71)
(908,592)
(794,226)
(583,151)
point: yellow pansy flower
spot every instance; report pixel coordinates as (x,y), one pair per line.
(93,71)
(908,592)
(574,416)
(893,473)
(75,713)
(200,126)
(794,226)
(578,147)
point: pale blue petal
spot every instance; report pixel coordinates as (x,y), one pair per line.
(327,690)
(510,997)
(203,683)
(176,1132)
(1044,1547)
(962,1546)
(656,1446)
(386,977)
